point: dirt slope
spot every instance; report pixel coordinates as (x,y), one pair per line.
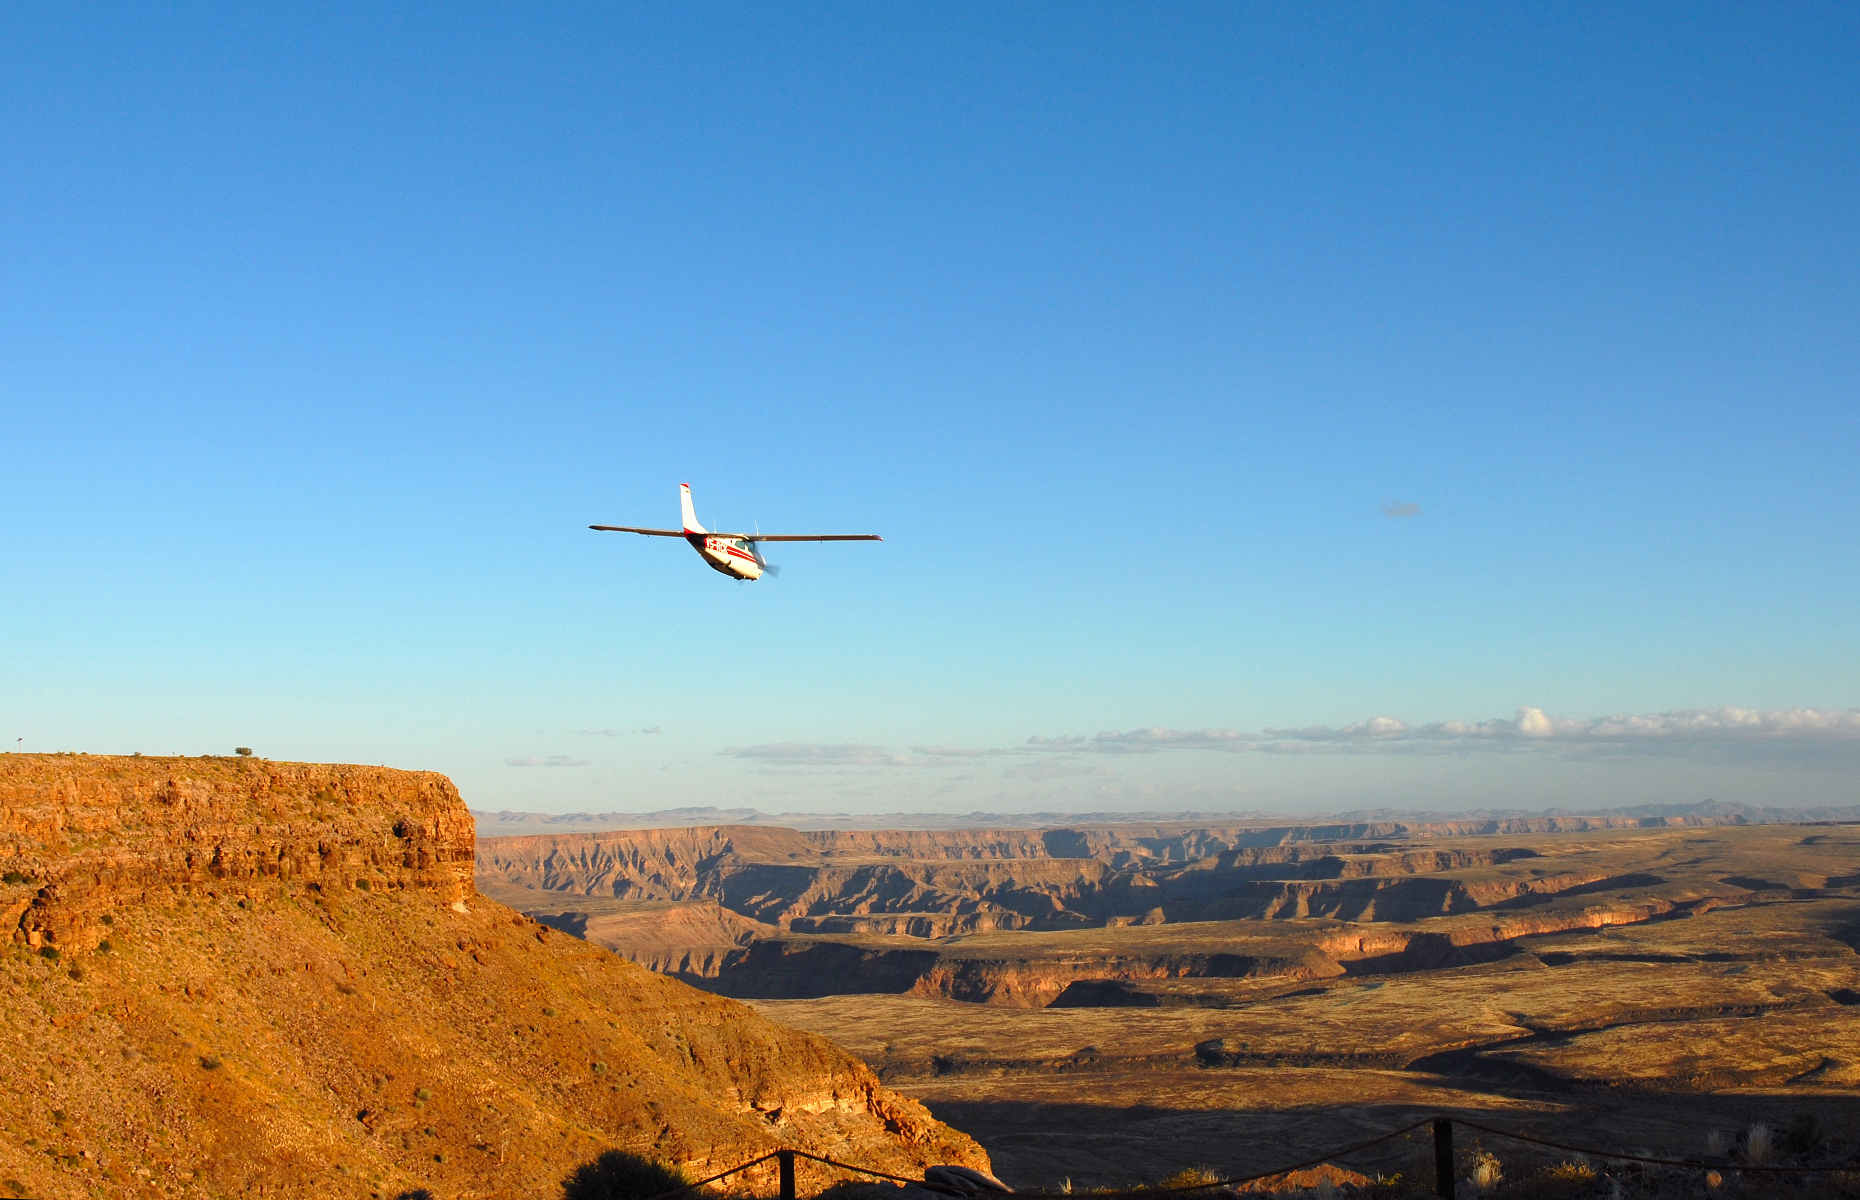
(229,977)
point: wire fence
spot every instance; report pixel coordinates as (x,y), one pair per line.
(1445,1177)
(1445,1181)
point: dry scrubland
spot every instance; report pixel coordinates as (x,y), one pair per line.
(1242,997)
(231,978)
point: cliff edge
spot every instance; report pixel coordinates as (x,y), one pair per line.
(229,976)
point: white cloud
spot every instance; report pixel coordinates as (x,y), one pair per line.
(1533,725)
(957,752)
(546,760)
(817,754)
(1147,741)
(1796,734)
(1398,509)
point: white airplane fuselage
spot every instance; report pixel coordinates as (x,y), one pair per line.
(735,559)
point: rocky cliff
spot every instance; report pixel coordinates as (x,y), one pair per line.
(226,977)
(998,916)
(92,835)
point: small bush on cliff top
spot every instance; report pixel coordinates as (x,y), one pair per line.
(243,751)
(16,877)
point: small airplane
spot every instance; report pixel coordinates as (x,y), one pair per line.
(737,555)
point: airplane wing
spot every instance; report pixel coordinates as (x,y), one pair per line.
(802,537)
(677,533)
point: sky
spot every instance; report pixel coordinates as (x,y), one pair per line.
(1265,406)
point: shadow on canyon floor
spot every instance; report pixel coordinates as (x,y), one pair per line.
(1047,1144)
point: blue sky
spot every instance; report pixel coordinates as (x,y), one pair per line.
(1234,368)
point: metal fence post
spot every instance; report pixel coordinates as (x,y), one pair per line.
(786,1158)
(1443,1157)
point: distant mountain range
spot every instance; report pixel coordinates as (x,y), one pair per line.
(510,823)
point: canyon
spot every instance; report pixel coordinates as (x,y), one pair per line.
(1023,917)
(1103,1004)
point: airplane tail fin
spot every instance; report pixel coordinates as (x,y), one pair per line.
(684,502)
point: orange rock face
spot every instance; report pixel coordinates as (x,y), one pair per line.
(92,833)
(225,977)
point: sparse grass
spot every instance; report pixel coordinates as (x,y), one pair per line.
(1190,1177)
(1487,1171)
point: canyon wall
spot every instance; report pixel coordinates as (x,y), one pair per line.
(1007,917)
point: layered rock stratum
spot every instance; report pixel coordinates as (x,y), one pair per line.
(1019,917)
(239,977)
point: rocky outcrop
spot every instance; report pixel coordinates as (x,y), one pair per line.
(225,977)
(81,835)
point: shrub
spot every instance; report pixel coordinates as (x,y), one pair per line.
(16,877)
(243,751)
(421,1093)
(1804,1135)
(209,1062)
(49,952)
(1487,1171)
(1189,1177)
(617,1175)
(1758,1144)
(1569,1180)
